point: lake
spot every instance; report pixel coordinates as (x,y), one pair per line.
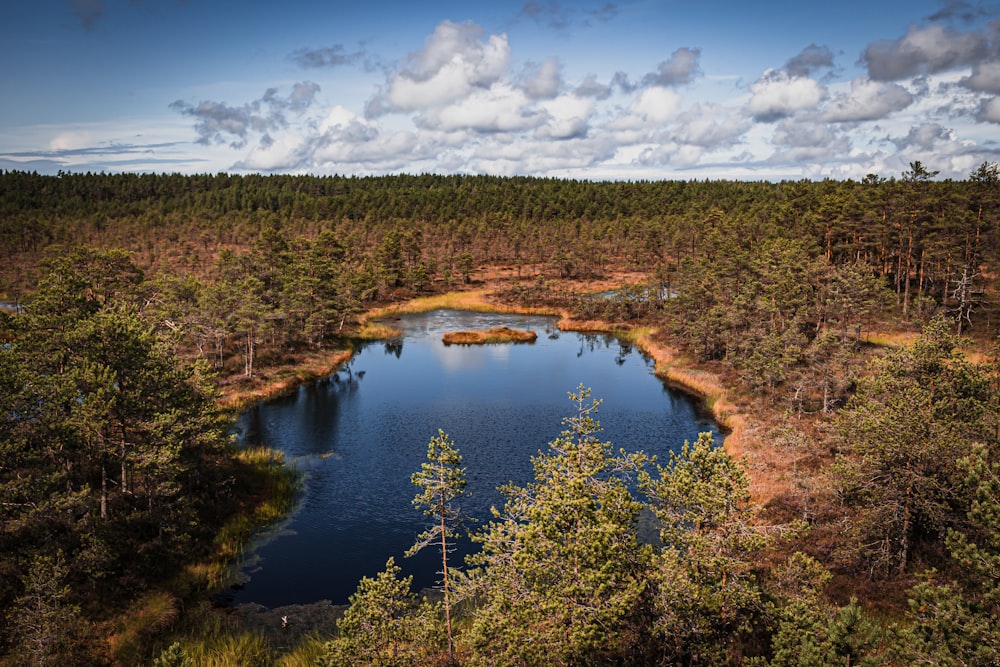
(359,435)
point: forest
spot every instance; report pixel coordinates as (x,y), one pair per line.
(844,332)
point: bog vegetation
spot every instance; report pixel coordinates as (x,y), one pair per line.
(853,323)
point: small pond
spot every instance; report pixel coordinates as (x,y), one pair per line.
(359,435)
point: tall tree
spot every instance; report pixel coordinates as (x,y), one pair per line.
(441,480)
(706,591)
(561,573)
(914,414)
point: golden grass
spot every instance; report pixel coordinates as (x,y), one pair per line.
(378,331)
(889,338)
(473,300)
(148,616)
(489,336)
(313,366)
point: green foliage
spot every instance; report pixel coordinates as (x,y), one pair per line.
(954,623)
(561,575)
(107,442)
(706,592)
(441,480)
(914,415)
(385,625)
(173,656)
(43,621)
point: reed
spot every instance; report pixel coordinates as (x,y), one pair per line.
(378,331)
(308,652)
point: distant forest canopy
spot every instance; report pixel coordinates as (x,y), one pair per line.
(935,226)
(292,259)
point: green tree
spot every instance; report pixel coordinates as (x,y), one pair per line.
(706,592)
(441,480)
(384,625)
(561,575)
(42,620)
(954,622)
(914,414)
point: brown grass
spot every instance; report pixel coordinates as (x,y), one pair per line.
(489,336)
(273,382)
(473,300)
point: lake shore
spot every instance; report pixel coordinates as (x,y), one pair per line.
(768,473)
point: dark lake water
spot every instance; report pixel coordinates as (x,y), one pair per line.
(359,435)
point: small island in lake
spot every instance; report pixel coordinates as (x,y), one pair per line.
(488,336)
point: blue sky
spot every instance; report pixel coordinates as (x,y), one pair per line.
(638,89)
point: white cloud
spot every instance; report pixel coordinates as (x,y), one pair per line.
(656,105)
(777,95)
(567,116)
(501,108)
(455,61)
(867,100)
(543,82)
(985,78)
(710,125)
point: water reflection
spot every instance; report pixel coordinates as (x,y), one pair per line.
(360,434)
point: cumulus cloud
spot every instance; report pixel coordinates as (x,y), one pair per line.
(985,78)
(989,110)
(797,141)
(218,122)
(591,87)
(927,50)
(923,136)
(655,106)
(710,126)
(777,95)
(501,108)
(809,60)
(333,56)
(544,81)
(567,117)
(681,67)
(455,60)
(867,100)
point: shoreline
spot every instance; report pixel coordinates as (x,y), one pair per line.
(669,365)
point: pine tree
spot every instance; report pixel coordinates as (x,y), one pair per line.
(442,482)
(561,574)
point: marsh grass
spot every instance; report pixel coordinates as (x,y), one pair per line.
(268,489)
(308,367)
(210,639)
(474,301)
(489,336)
(150,615)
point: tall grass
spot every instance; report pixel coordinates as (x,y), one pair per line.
(151,614)
(210,639)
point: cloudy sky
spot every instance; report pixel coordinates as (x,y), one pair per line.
(626,89)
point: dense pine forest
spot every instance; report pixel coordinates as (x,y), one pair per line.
(852,518)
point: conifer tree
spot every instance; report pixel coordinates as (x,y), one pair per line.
(561,573)
(441,480)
